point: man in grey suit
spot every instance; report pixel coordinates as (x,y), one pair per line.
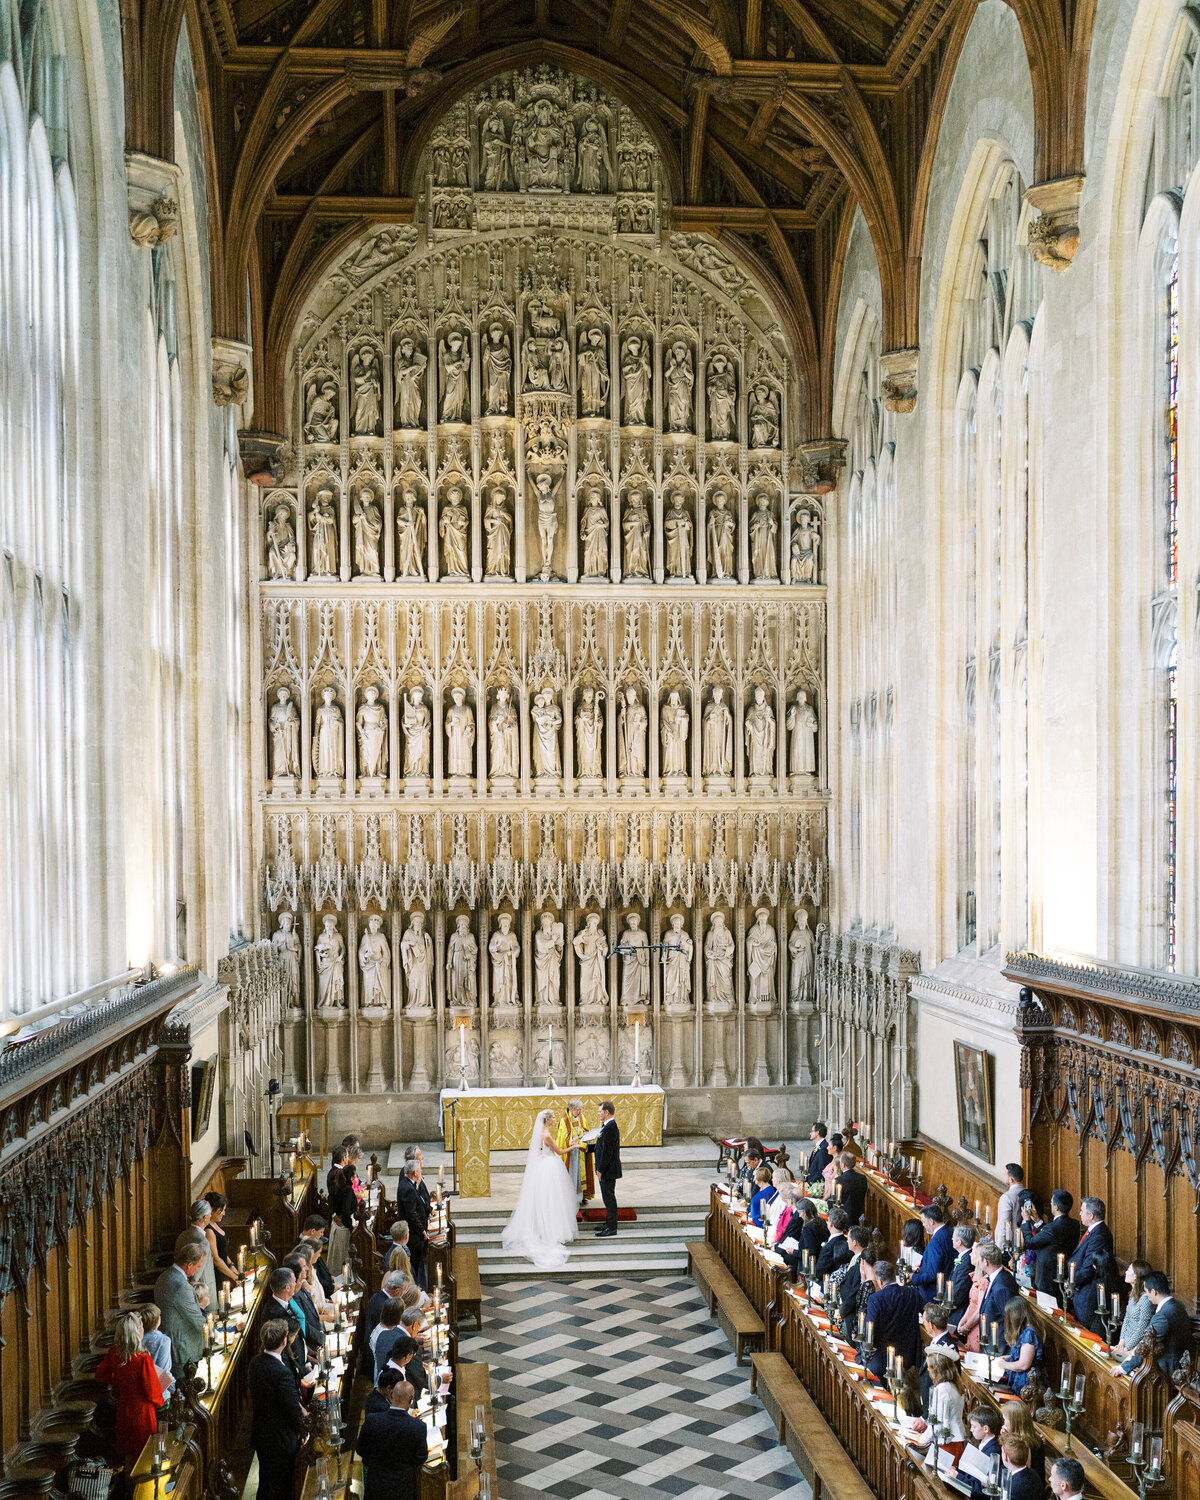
(183,1306)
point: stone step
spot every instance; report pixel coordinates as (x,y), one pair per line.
(489,1242)
(471,1221)
(590,1265)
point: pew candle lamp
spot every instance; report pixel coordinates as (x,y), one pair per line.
(1072,1405)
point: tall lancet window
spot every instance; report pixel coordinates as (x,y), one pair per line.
(1167,607)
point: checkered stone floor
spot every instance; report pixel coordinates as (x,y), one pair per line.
(619,1387)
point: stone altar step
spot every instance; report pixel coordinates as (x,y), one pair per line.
(653,1242)
(677,1153)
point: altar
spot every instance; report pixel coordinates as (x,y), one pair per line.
(479,1121)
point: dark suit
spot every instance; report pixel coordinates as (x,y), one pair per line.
(314,1334)
(607,1161)
(937,1256)
(989,1450)
(813,1235)
(393,1447)
(850,1293)
(324,1276)
(960,1287)
(1059,1237)
(1002,1287)
(895,1311)
(854,1193)
(415,1212)
(1026,1485)
(377,1400)
(835,1252)
(277,1426)
(293,1350)
(819,1158)
(1172,1327)
(1097,1240)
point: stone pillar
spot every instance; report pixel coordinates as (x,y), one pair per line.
(375,1016)
(423,1037)
(677,1077)
(331,1018)
(756,1025)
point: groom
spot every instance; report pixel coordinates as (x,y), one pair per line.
(607,1156)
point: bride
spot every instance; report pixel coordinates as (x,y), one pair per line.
(543,1221)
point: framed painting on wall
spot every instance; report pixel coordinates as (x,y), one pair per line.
(976,1118)
(204,1083)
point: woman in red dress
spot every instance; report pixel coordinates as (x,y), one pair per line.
(131,1373)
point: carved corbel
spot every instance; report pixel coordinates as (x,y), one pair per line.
(262,456)
(1053,237)
(821,461)
(899,368)
(152,186)
(231,373)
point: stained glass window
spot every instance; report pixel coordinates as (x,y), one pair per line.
(1171,569)
(1172,421)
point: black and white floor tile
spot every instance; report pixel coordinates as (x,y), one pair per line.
(621,1387)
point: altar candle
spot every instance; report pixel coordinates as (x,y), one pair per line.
(462,1048)
(637,1031)
(1065,1389)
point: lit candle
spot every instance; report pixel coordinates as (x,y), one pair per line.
(995,1332)
(241,1257)
(870,1333)
(977,1210)
(1080,1386)
(1156,1454)
(637,1032)
(1136,1435)
(1065,1388)
(254,1234)
(941,1283)
(462,1048)
(899,1367)
(1100,1296)
(891,1356)
(439,1271)
(345,1273)
(987,1215)
(1061,1261)
(441,1174)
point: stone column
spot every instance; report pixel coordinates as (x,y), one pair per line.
(756,1025)
(375,1016)
(423,1028)
(331,1018)
(677,1077)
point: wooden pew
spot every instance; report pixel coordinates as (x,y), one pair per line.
(726,1300)
(810,1440)
(468,1289)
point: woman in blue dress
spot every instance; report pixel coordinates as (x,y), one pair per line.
(1024,1355)
(764,1194)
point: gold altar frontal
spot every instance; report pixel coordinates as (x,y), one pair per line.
(487,1120)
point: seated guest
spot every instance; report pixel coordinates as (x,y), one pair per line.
(853,1185)
(938,1257)
(945,1406)
(1023,1483)
(1058,1237)
(393,1446)
(912,1244)
(1023,1358)
(156,1344)
(278,1421)
(858,1237)
(1138,1311)
(895,1312)
(314,1232)
(1019,1423)
(835,1251)
(397,1251)
(387,1331)
(983,1427)
(764,1193)
(379,1398)
(1170,1325)
(963,1240)
(831,1166)
(1008,1210)
(183,1306)
(392,1285)
(938,1341)
(818,1157)
(139,1393)
(1096,1240)
(1066,1479)
(1001,1288)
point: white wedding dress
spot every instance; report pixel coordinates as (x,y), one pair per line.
(543,1222)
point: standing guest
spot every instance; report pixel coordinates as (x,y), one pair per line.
(379,1398)
(398,1258)
(787,1224)
(1023,1483)
(183,1306)
(387,1331)
(336,1157)
(1019,1423)
(393,1447)
(1066,1479)
(414,1323)
(302,1305)
(405,1358)
(963,1239)
(156,1344)
(945,1400)
(831,1166)
(314,1232)
(1001,1288)
(307,1252)
(416,1216)
(218,1245)
(343,1206)
(835,1252)
(983,1424)
(970,1323)
(278,1422)
(939,1257)
(198,1215)
(1008,1210)
(850,1287)
(392,1285)
(778,1205)
(1138,1311)
(805,1238)
(912,1244)
(764,1193)
(752,1159)
(1058,1237)
(281,1284)
(131,1373)
(1024,1357)
(938,1341)
(818,1157)
(414,1153)
(1095,1241)
(1170,1325)
(853,1185)
(895,1311)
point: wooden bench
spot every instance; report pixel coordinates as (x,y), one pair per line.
(726,1300)
(468,1290)
(810,1440)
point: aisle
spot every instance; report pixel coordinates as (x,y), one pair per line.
(620,1386)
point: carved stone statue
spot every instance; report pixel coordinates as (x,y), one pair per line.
(321,411)
(417,736)
(286,942)
(760,735)
(543,148)
(720,387)
(762,948)
(721,527)
(455,361)
(411,533)
(591,1050)
(546,351)
(636,530)
(806,543)
(366,391)
(546,498)
(497,370)
(330,951)
(679,377)
(460,735)
(593,533)
(547,720)
(285,735)
(494,151)
(764,565)
(375,964)
(416,954)
(504,948)
(593,373)
(454,525)
(764,416)
(281,544)
(329,739)
(591,949)
(677,966)
(371,723)
(635,381)
(589,733)
(673,731)
(802,737)
(803,966)
(323,525)
(548,943)
(368,528)
(677,533)
(408,378)
(632,725)
(717,746)
(635,967)
(595,168)
(504,735)
(718,964)
(462,965)
(498,528)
